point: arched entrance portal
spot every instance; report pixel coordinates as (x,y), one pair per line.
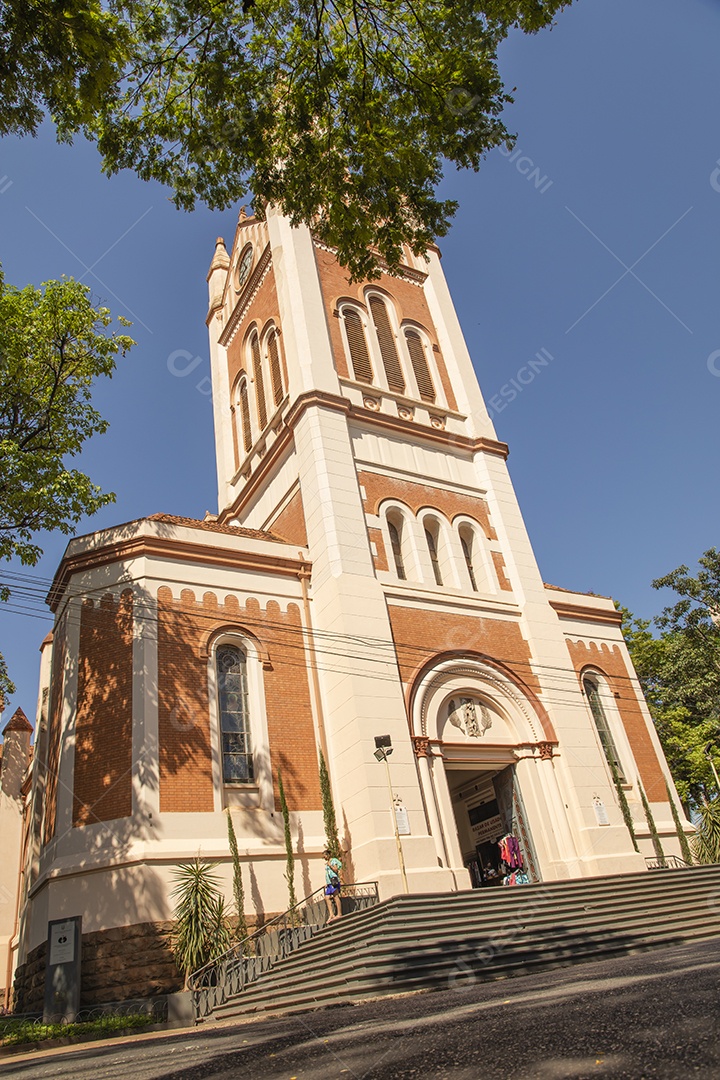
(479,739)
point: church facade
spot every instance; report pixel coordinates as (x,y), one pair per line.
(368,574)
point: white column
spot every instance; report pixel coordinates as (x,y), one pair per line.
(68,718)
(145,740)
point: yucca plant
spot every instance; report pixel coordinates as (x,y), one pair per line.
(706,843)
(201,933)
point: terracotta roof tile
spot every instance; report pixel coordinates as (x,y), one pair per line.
(214,526)
(17,722)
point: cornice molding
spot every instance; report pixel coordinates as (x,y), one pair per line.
(416,277)
(161,547)
(583,613)
(320,399)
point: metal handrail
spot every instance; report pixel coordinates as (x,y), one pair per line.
(668,862)
(243,963)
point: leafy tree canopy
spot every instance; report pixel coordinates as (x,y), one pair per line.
(680,674)
(339,112)
(53,346)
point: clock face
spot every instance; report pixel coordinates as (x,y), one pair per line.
(243,266)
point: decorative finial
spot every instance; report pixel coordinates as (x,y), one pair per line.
(242,216)
(221,259)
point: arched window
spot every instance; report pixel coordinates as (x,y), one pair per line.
(275,368)
(386,341)
(466,543)
(359,356)
(232,688)
(243,410)
(592,692)
(431,537)
(418,358)
(395,531)
(259,381)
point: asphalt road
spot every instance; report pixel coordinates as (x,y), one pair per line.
(655,1015)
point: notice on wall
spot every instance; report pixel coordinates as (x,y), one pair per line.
(402,820)
(62,942)
(601,813)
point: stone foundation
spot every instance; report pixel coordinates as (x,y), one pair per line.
(117,964)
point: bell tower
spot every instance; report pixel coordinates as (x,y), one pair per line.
(350,423)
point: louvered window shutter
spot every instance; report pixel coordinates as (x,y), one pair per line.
(275,371)
(245,417)
(362,368)
(386,341)
(259,382)
(420,365)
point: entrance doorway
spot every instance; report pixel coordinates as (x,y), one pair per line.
(488,807)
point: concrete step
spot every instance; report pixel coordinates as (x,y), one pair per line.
(404,916)
(380,962)
(425,941)
(296,1001)
(367,980)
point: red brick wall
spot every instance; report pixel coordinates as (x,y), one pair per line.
(185,627)
(376,537)
(103,732)
(417,496)
(410,302)
(612,665)
(290,522)
(499,564)
(57,686)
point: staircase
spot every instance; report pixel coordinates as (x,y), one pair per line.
(442,940)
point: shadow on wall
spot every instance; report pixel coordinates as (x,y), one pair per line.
(112,806)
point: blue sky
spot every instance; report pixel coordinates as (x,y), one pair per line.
(614,444)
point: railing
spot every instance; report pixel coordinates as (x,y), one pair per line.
(16,1028)
(244,963)
(668,862)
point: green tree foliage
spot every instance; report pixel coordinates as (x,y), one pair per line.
(679,671)
(53,347)
(290,862)
(201,933)
(340,112)
(328,805)
(241,930)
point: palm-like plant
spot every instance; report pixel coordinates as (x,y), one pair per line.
(706,843)
(201,932)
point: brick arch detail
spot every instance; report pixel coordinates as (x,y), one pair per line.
(379,487)
(459,657)
(211,637)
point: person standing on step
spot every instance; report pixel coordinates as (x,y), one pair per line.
(333,869)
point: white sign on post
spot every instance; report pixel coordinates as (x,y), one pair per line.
(62,943)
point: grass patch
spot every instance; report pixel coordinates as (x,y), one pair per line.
(15,1033)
